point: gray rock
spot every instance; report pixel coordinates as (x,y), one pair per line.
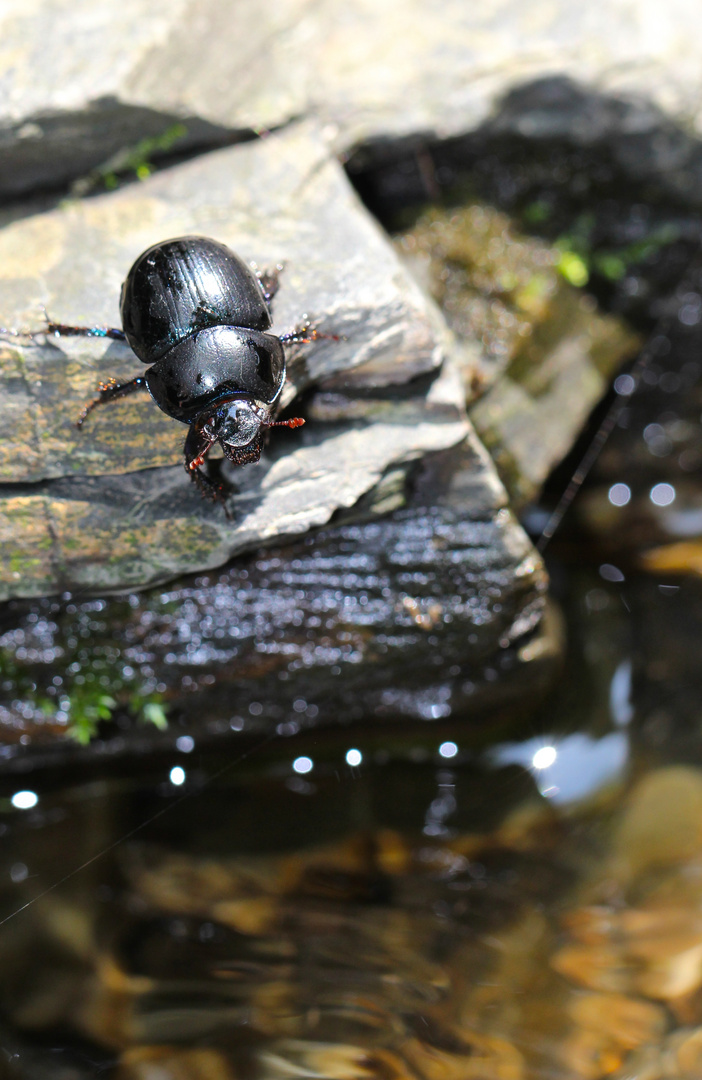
(109,506)
(432,613)
(79,85)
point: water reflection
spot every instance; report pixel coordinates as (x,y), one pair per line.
(662,494)
(620,702)
(619,494)
(574,767)
(424,910)
(24,800)
(544,757)
(177,776)
(344,936)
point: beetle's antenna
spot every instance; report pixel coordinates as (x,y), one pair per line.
(297,421)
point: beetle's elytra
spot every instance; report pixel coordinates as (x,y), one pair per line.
(200,317)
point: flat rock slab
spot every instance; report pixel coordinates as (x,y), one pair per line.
(78,85)
(109,506)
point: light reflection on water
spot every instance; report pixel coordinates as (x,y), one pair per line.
(571,768)
(338,910)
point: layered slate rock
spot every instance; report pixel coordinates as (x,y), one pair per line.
(109,506)
(429,613)
(77,87)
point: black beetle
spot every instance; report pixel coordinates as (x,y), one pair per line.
(200,316)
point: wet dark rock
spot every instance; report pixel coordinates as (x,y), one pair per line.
(642,503)
(432,613)
(642,139)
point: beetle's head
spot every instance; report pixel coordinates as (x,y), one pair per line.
(240,427)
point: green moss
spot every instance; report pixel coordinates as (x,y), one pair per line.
(581,257)
(573,268)
(93,687)
(24,566)
(543,348)
(88,707)
(134,161)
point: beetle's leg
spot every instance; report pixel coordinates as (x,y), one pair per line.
(306,332)
(54,329)
(110,391)
(197,447)
(268,279)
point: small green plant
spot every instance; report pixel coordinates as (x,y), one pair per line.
(573,268)
(87,708)
(153,713)
(537,212)
(85,715)
(580,258)
(130,162)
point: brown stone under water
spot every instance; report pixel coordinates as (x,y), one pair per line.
(501,955)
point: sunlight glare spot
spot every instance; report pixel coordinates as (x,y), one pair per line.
(24,800)
(448,749)
(619,494)
(662,494)
(544,757)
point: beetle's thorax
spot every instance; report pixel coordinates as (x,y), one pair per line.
(216,365)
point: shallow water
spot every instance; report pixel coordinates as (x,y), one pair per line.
(526,911)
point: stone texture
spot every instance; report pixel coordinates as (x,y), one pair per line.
(109,505)
(431,613)
(78,84)
(534,350)
(531,418)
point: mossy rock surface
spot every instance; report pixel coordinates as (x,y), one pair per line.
(537,354)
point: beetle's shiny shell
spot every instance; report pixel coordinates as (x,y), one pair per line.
(181,286)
